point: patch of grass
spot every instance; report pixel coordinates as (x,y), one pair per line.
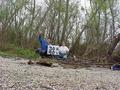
(4,54)
(26,53)
(13,51)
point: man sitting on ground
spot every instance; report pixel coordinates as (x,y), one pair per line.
(44,45)
(63,51)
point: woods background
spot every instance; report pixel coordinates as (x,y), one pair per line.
(88,31)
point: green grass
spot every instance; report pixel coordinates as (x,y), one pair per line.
(4,54)
(13,51)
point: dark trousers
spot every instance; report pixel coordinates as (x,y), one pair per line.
(41,52)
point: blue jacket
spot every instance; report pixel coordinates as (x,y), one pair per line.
(43,43)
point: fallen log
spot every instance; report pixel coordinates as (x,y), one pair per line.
(44,63)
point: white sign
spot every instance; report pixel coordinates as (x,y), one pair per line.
(53,50)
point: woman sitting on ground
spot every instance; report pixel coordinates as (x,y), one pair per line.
(63,51)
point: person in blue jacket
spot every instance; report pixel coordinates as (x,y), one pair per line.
(44,45)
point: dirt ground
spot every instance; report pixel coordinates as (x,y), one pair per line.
(16,74)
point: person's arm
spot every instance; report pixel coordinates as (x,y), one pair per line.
(40,37)
(67,49)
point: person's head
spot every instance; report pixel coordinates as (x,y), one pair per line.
(63,43)
(60,44)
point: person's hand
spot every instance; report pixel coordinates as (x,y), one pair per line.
(39,33)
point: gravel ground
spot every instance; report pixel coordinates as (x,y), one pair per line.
(16,75)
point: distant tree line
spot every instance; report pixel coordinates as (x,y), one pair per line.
(87,31)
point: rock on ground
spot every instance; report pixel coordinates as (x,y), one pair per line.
(17,75)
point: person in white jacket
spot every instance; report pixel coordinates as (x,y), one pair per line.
(63,51)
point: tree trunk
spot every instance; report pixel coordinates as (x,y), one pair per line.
(111,6)
(105,26)
(65,22)
(58,27)
(113,44)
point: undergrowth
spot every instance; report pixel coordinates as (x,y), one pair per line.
(14,51)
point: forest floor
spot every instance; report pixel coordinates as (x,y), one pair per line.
(16,74)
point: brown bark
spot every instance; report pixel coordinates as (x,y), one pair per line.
(114,43)
(65,22)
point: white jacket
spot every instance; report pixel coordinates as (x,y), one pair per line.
(63,49)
